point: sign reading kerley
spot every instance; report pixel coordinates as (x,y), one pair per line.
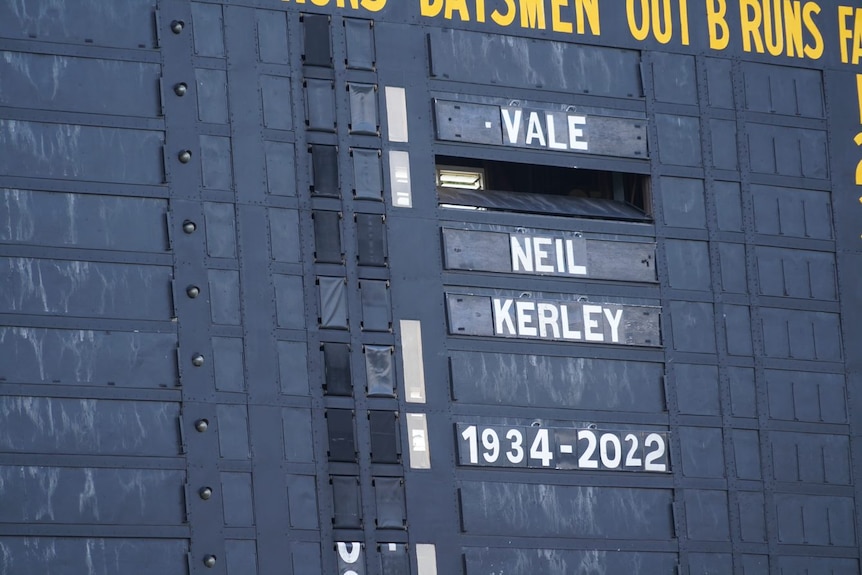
(557,320)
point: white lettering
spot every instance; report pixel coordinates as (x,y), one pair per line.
(541,254)
(551,320)
(351,556)
(590,323)
(561,256)
(503,317)
(567,333)
(534,130)
(513,125)
(570,259)
(614,321)
(575,132)
(524,320)
(548,316)
(545,255)
(522,257)
(552,140)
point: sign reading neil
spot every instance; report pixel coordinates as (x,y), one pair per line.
(553,127)
(547,253)
(557,320)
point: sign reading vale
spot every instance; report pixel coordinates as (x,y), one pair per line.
(552,127)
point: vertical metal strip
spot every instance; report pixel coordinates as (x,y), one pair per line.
(426,559)
(396,113)
(412,364)
(420,451)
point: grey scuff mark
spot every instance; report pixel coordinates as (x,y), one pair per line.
(50,418)
(88,559)
(50,552)
(31,335)
(82,427)
(26,406)
(58,65)
(631,506)
(585,509)
(84,349)
(558,56)
(88,498)
(592,563)
(72,213)
(20,225)
(7,560)
(47,479)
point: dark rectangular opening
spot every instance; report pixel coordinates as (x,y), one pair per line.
(533,188)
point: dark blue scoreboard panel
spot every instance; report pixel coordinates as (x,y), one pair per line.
(421,287)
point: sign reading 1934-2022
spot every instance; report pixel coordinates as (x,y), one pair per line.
(561,448)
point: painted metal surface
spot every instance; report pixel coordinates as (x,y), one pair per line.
(242,331)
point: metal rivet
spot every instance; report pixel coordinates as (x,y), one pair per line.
(185,156)
(201,425)
(181,89)
(189,227)
(210,560)
(205,493)
(197,360)
(193,291)
(177,26)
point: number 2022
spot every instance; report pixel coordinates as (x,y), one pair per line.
(610,450)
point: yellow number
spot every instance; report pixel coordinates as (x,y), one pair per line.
(859,94)
(858,140)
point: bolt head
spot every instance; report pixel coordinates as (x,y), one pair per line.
(189,227)
(210,560)
(193,291)
(177,26)
(181,89)
(205,493)
(185,156)
(197,360)
(201,425)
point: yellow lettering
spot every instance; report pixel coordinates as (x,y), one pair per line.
(557,22)
(774,35)
(480,10)
(588,10)
(814,51)
(683,21)
(375,5)
(662,34)
(857,37)
(844,32)
(793,26)
(533,14)
(457,5)
(642,31)
(505,19)
(716,18)
(430,8)
(750,16)
(859,94)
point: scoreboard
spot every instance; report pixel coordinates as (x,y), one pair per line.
(430,287)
